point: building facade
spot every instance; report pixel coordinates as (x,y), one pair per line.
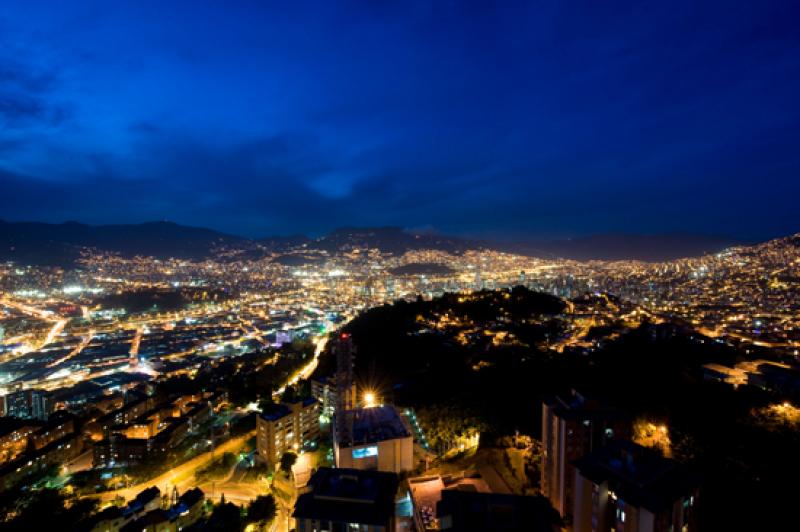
(347,500)
(625,487)
(28,404)
(375,438)
(287,427)
(572,426)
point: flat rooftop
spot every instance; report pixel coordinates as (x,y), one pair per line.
(349,495)
(639,476)
(276,412)
(374,424)
(576,406)
(426,492)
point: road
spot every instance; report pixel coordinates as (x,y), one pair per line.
(75,352)
(493,478)
(306,371)
(285,496)
(79,463)
(137,340)
(181,476)
(27,309)
(55,331)
(239,493)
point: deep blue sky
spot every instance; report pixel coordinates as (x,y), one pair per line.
(522,119)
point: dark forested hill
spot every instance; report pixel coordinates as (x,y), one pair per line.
(481,362)
(60,244)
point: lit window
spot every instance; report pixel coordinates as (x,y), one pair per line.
(364,452)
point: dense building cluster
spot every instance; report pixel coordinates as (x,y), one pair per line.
(95,361)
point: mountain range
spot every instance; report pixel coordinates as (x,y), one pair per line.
(60,244)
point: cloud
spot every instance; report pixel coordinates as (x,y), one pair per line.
(25,96)
(531,118)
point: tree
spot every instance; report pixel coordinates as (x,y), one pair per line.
(262,510)
(49,509)
(303,388)
(287,461)
(226,517)
(266,402)
(289,395)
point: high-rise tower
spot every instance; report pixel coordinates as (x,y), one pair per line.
(345,400)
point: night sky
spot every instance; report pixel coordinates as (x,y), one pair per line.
(540,119)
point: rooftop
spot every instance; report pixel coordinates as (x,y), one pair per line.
(577,406)
(500,512)
(379,423)
(426,492)
(142,499)
(349,495)
(305,401)
(638,475)
(279,411)
(276,412)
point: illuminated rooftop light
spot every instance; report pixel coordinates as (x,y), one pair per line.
(370,399)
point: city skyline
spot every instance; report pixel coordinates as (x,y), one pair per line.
(515,120)
(430,266)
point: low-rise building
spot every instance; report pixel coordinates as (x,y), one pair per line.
(110,519)
(59,426)
(426,492)
(467,503)
(189,508)
(461,510)
(156,430)
(14,434)
(373,438)
(776,377)
(145,501)
(119,450)
(347,499)
(125,415)
(38,460)
(145,513)
(154,521)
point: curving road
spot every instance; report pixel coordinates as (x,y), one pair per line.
(181,476)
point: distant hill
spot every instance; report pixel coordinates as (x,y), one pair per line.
(649,248)
(280,244)
(60,244)
(395,240)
